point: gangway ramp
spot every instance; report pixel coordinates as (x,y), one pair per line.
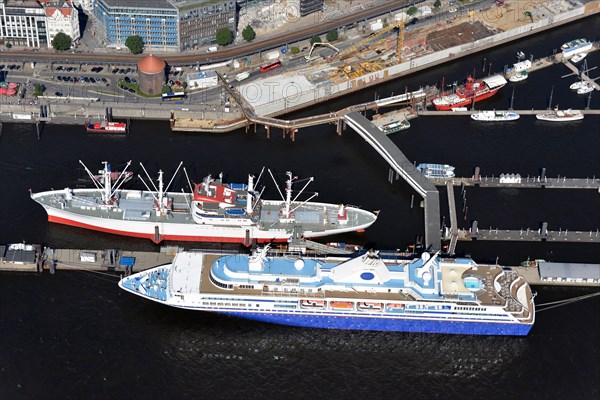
(453,219)
(398,161)
(305,244)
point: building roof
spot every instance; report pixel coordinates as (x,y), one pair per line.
(65,7)
(201,75)
(191,4)
(139,4)
(151,64)
(22,4)
(569,270)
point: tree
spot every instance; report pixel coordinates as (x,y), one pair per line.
(135,44)
(224,36)
(412,10)
(332,36)
(295,50)
(38,89)
(248,34)
(437,4)
(165,89)
(61,42)
(315,39)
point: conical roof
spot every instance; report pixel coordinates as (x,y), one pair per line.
(151,64)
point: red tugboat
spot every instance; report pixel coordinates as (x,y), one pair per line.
(106,127)
(472,90)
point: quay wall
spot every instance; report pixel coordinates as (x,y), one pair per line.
(326,92)
(78,113)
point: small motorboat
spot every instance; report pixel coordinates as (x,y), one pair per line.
(578,57)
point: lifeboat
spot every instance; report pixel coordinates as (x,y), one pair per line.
(370,306)
(341,305)
(395,307)
(312,303)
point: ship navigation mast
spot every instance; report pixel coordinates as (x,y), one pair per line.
(287,212)
(161,201)
(106,185)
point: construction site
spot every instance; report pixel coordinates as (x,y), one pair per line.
(389,50)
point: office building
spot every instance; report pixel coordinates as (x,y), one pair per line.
(23,23)
(165,25)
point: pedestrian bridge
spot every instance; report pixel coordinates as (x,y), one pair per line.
(398,161)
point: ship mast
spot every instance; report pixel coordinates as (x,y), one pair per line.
(160,191)
(107,182)
(250,197)
(288,194)
(105,185)
(161,202)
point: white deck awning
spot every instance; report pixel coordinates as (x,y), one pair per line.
(494,81)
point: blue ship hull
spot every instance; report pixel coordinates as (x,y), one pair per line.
(389,324)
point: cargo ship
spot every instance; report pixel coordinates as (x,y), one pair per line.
(472,91)
(212,211)
(366,292)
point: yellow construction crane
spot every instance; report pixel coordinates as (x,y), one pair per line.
(400,43)
(383,31)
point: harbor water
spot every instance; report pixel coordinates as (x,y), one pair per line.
(76,335)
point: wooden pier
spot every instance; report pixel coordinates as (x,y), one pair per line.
(534,182)
(532,276)
(469,112)
(514,181)
(105,260)
(290,127)
(529,235)
(582,74)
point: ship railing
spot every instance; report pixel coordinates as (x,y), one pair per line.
(298,293)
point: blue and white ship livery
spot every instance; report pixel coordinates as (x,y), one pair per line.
(576,46)
(426,294)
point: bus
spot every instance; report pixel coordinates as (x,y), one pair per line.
(174,97)
(270,66)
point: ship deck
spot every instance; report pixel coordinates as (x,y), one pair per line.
(137,205)
(486,296)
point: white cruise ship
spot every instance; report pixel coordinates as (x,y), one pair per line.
(367,292)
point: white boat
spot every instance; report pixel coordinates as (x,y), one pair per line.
(577,85)
(577,46)
(395,126)
(578,57)
(557,115)
(436,170)
(366,292)
(493,116)
(585,88)
(519,76)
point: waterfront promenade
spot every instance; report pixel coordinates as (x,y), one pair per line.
(199,118)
